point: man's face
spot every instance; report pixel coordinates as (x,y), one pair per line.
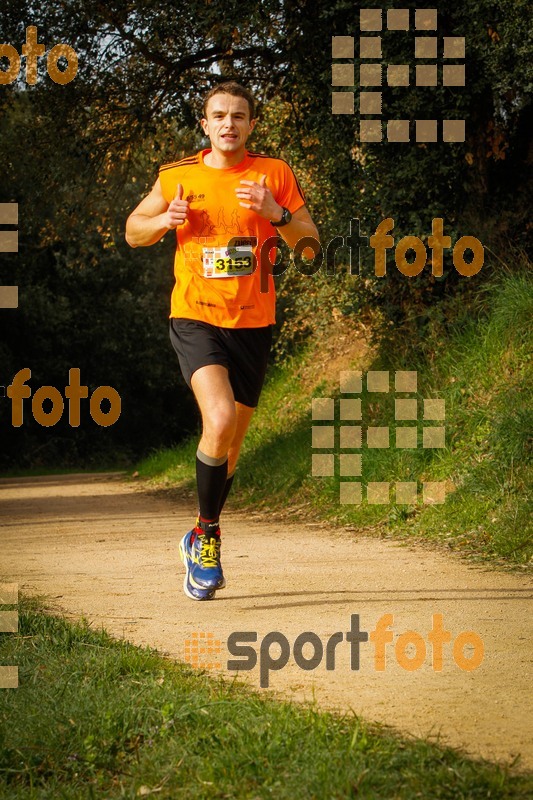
(228,122)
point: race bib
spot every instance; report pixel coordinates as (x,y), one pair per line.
(227,262)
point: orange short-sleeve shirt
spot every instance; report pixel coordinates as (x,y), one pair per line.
(215,219)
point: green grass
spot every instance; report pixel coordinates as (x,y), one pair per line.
(97,718)
(480,363)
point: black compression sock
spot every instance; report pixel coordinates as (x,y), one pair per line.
(211,475)
(208,528)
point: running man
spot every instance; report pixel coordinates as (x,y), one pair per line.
(224,203)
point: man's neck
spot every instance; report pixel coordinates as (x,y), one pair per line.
(218,160)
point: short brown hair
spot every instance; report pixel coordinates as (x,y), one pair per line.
(233,88)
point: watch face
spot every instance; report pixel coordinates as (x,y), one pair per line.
(286,217)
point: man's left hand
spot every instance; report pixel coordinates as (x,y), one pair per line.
(258,197)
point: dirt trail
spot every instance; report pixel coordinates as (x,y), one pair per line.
(98,546)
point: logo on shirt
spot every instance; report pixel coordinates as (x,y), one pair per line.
(244,242)
(191,197)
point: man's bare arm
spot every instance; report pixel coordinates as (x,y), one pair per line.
(301,226)
(154,217)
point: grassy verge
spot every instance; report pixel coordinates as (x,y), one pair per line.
(93,717)
(476,356)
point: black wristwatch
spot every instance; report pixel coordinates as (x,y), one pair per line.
(285,218)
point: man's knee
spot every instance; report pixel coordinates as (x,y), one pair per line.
(220,424)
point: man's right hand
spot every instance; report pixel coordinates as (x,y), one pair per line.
(154,216)
(178,209)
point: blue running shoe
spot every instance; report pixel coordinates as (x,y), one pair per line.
(192,591)
(203,560)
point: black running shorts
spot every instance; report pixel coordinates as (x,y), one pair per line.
(243,351)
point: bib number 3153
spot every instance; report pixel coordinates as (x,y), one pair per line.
(227,262)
